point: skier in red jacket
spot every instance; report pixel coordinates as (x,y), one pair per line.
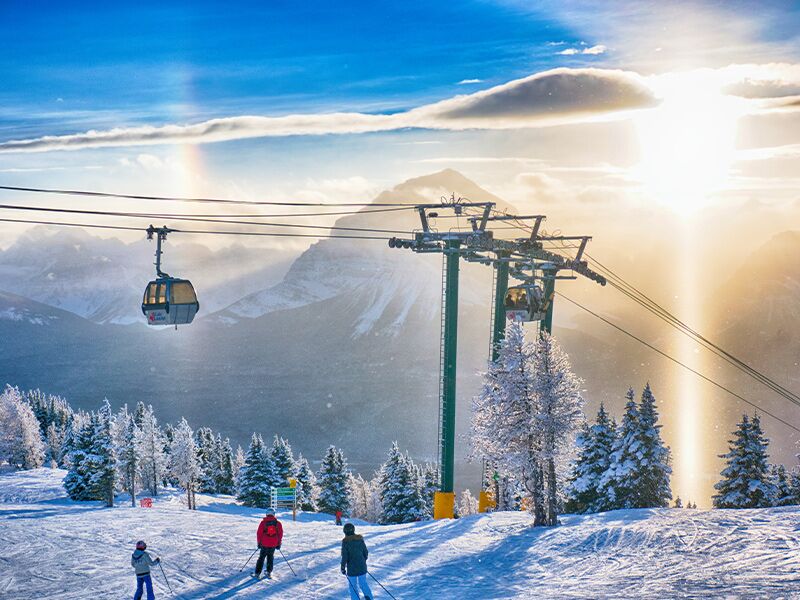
(269,537)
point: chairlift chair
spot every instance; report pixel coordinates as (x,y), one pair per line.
(525,303)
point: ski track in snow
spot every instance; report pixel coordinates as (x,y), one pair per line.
(55,548)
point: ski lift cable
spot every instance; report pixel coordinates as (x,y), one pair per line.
(676,361)
(744,367)
(194,231)
(648,303)
(105,213)
(96,194)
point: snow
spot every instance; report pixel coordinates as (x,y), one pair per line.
(55,548)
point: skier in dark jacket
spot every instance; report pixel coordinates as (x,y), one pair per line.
(141,562)
(354,562)
(269,537)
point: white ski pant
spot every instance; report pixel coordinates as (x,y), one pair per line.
(355,583)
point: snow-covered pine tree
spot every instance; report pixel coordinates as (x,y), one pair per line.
(595,444)
(651,477)
(226,469)
(616,487)
(257,475)
(559,415)
(238,463)
(678,503)
(150,443)
(207,460)
(79,443)
(283,459)
(306,485)
(782,486)
(430,485)
(125,433)
(54,415)
(140,413)
(183,464)
(401,494)
(504,418)
(794,485)
(467,504)
(21,442)
(333,481)
(745,479)
(101,461)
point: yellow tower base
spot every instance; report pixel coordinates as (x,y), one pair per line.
(486,501)
(443,504)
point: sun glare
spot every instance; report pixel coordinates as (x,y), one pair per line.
(687,142)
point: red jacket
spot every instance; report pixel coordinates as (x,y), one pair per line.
(269,525)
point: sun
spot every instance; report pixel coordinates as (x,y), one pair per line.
(687,143)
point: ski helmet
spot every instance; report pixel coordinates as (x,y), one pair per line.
(140,545)
(349,529)
(270,512)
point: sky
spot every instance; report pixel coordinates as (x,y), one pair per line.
(667,130)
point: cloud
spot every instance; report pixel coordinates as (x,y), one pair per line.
(553,94)
(468,81)
(551,97)
(593,50)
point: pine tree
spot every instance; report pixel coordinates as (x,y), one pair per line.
(306,484)
(679,503)
(401,494)
(150,443)
(430,485)
(226,469)
(80,437)
(595,445)
(334,482)
(101,461)
(183,464)
(616,483)
(207,460)
(782,486)
(467,504)
(745,480)
(560,413)
(54,416)
(650,479)
(238,463)
(126,433)
(257,475)
(504,418)
(21,442)
(283,459)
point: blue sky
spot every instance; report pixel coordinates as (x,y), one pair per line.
(79,64)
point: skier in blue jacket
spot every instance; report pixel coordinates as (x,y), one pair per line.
(141,562)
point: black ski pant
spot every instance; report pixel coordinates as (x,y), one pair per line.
(269,553)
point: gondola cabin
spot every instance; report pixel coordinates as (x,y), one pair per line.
(525,303)
(170,301)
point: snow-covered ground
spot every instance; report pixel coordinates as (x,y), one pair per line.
(54,548)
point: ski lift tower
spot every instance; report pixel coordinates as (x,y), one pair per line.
(453,244)
(522,258)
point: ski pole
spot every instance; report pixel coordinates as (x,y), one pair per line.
(287,562)
(165,578)
(248,560)
(383,588)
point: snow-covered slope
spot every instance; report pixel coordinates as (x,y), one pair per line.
(54,548)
